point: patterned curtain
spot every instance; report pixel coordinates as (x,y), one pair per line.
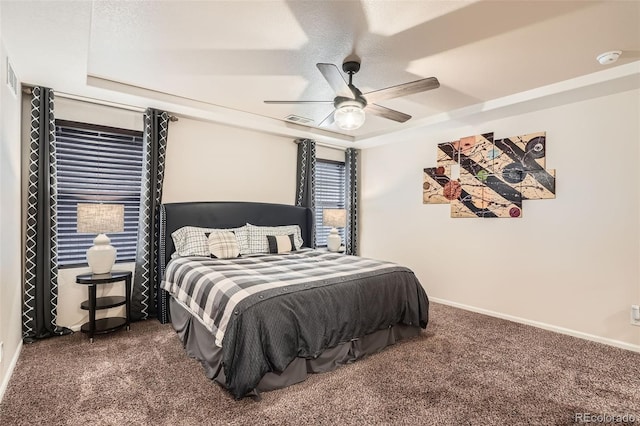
(306,178)
(351,172)
(40,305)
(156,126)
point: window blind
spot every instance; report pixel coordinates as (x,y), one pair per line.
(97,164)
(330,193)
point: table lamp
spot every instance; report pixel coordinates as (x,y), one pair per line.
(336,218)
(100,219)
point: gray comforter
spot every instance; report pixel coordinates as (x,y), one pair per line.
(267,310)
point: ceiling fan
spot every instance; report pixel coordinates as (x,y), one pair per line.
(350,103)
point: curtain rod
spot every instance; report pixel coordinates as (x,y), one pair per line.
(26,88)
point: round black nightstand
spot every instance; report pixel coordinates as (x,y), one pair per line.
(93,303)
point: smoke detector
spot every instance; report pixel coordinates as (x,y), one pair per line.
(607,58)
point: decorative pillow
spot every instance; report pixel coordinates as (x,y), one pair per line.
(192,241)
(223,244)
(281,243)
(257,236)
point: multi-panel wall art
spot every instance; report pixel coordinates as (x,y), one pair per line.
(482,177)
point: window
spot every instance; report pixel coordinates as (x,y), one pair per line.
(97,164)
(330,193)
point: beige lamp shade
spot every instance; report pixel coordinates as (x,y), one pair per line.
(336,218)
(100,218)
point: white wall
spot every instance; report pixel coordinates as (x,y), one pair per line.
(570,262)
(329,153)
(212,162)
(10,229)
(85,112)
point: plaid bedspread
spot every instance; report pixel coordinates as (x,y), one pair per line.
(266,310)
(212,288)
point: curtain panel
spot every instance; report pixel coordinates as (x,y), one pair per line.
(306,178)
(351,183)
(40,297)
(145,283)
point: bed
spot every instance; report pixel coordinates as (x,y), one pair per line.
(282,316)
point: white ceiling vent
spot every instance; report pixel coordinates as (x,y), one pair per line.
(297,119)
(12,81)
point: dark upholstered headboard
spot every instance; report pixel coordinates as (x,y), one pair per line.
(229,214)
(222,214)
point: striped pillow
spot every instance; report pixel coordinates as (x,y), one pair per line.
(223,245)
(281,243)
(257,236)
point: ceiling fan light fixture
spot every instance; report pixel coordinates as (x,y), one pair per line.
(349,115)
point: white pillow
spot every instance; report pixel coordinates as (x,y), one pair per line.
(192,240)
(223,245)
(257,236)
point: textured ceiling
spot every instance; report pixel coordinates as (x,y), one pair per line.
(236,54)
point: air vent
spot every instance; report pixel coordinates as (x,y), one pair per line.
(12,81)
(297,119)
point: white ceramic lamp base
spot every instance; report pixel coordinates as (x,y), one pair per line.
(102,255)
(333,240)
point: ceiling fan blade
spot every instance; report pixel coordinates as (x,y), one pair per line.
(384,112)
(298,102)
(327,121)
(402,90)
(335,79)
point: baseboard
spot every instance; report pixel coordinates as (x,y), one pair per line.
(12,366)
(545,326)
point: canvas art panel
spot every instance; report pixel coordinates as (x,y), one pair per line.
(495,175)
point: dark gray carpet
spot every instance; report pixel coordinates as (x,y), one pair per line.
(465,368)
